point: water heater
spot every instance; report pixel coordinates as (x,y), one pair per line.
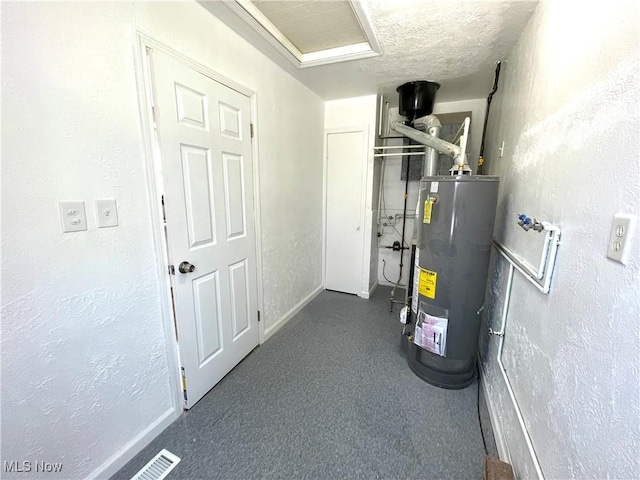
(455,218)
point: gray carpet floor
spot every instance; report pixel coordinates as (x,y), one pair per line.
(328,396)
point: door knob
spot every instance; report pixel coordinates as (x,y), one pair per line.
(186,267)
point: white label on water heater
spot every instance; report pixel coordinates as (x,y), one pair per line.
(431,333)
(434,187)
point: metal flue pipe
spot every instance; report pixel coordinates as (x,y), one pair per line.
(428,121)
(433,127)
(428,140)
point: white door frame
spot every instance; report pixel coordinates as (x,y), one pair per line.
(155,187)
(364,128)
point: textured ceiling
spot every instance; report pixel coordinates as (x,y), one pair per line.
(453,42)
(312,25)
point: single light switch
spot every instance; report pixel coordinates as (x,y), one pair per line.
(106,212)
(73,216)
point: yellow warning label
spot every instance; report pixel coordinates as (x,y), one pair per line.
(428,206)
(427,285)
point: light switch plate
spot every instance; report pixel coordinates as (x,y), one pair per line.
(73,216)
(106,212)
(620,238)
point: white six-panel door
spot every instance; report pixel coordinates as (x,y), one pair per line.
(205,143)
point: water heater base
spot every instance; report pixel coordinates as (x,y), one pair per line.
(448,380)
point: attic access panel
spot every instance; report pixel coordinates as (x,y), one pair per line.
(314,26)
(311,32)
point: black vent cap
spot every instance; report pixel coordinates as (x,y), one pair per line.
(416,99)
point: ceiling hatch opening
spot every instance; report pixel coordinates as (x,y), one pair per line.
(311,32)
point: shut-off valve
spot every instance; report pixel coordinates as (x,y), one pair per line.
(527,223)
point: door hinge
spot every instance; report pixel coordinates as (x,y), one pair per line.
(172,270)
(251,129)
(258,315)
(184,385)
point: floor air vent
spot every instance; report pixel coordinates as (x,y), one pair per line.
(159,467)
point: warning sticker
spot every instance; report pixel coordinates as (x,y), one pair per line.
(427,286)
(431,333)
(428,206)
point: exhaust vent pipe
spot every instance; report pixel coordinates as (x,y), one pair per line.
(416,99)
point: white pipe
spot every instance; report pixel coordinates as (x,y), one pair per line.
(547,260)
(463,126)
(545,272)
(411,154)
(551,263)
(464,137)
(398,146)
(500,334)
(518,264)
(380,187)
(551,235)
(543,258)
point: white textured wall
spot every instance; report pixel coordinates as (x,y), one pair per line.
(361,112)
(568,112)
(84,368)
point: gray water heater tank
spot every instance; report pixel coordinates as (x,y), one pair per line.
(456,217)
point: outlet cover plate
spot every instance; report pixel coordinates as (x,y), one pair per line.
(621,236)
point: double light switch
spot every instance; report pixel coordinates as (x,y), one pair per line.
(73,216)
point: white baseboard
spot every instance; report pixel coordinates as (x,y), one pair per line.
(498,434)
(135,446)
(367,295)
(291,313)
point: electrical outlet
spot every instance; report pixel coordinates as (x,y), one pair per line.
(620,238)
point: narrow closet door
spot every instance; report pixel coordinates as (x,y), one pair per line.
(346,161)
